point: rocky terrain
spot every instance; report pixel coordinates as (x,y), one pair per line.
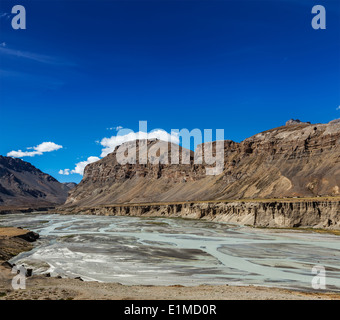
(298,159)
(21,184)
(273,214)
(14,241)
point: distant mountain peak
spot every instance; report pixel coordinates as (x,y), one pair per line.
(295,121)
(22,184)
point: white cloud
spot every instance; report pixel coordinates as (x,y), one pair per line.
(47,147)
(5,15)
(115,128)
(6,50)
(111,143)
(38,150)
(338,108)
(80,166)
(65,172)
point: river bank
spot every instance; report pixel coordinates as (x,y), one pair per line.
(56,287)
(39,287)
(42,288)
(272,213)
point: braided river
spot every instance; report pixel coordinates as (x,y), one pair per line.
(173,251)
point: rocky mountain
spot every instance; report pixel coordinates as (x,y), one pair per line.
(69,185)
(22,184)
(298,159)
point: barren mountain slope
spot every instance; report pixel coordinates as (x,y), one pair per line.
(299,159)
(21,184)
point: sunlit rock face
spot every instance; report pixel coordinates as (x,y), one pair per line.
(272,214)
(295,160)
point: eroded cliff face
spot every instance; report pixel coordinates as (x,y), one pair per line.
(315,214)
(296,160)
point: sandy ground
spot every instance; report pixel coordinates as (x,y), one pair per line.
(43,288)
(46,288)
(11,232)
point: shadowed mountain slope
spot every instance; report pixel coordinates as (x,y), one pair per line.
(22,184)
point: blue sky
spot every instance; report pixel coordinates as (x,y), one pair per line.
(82,67)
